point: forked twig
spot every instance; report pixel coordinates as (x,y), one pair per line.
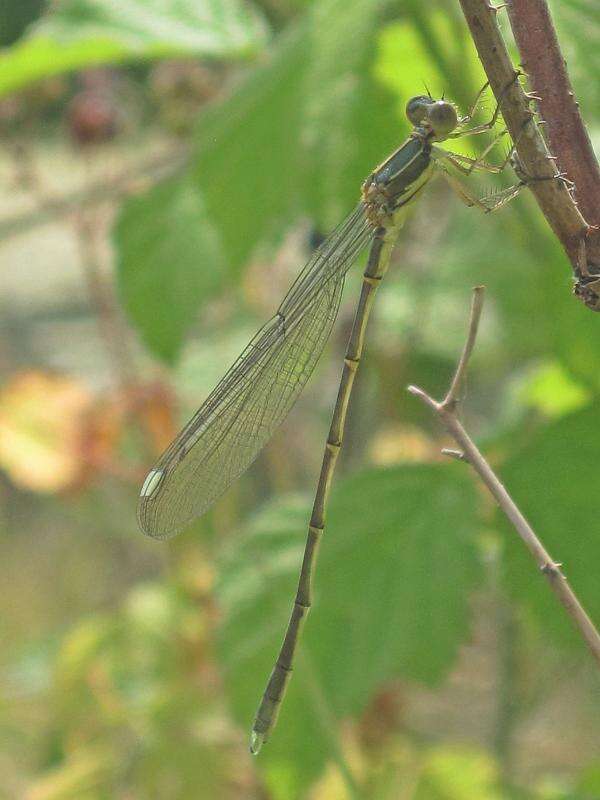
(446,410)
(452,397)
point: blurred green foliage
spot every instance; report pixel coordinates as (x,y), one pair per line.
(147,689)
(15,16)
(79,34)
(160,236)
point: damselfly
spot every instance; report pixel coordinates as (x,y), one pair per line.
(241,413)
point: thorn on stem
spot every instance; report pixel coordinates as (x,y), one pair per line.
(552,568)
(456,454)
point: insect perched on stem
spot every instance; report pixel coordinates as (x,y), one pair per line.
(241,413)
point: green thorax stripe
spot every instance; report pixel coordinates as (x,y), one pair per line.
(405,171)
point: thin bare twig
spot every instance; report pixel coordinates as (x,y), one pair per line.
(553,196)
(457,455)
(459,376)
(112,329)
(149,171)
(446,410)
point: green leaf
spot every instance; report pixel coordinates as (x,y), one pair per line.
(79,775)
(168,263)
(411,57)
(396,568)
(457,774)
(81,33)
(252,168)
(15,16)
(300,133)
(551,479)
(551,390)
(350,122)
(589,781)
(247,167)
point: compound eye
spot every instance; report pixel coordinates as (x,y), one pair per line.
(442,117)
(416,108)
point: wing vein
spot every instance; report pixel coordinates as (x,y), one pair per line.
(240,415)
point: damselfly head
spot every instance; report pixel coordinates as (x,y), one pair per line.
(442,117)
(416,108)
(438,115)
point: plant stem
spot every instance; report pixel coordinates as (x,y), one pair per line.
(553,196)
(565,131)
(508,671)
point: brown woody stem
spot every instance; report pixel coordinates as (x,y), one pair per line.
(553,196)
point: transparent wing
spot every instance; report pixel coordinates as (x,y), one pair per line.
(240,415)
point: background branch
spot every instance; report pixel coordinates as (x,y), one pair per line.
(446,410)
(149,171)
(112,328)
(553,197)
